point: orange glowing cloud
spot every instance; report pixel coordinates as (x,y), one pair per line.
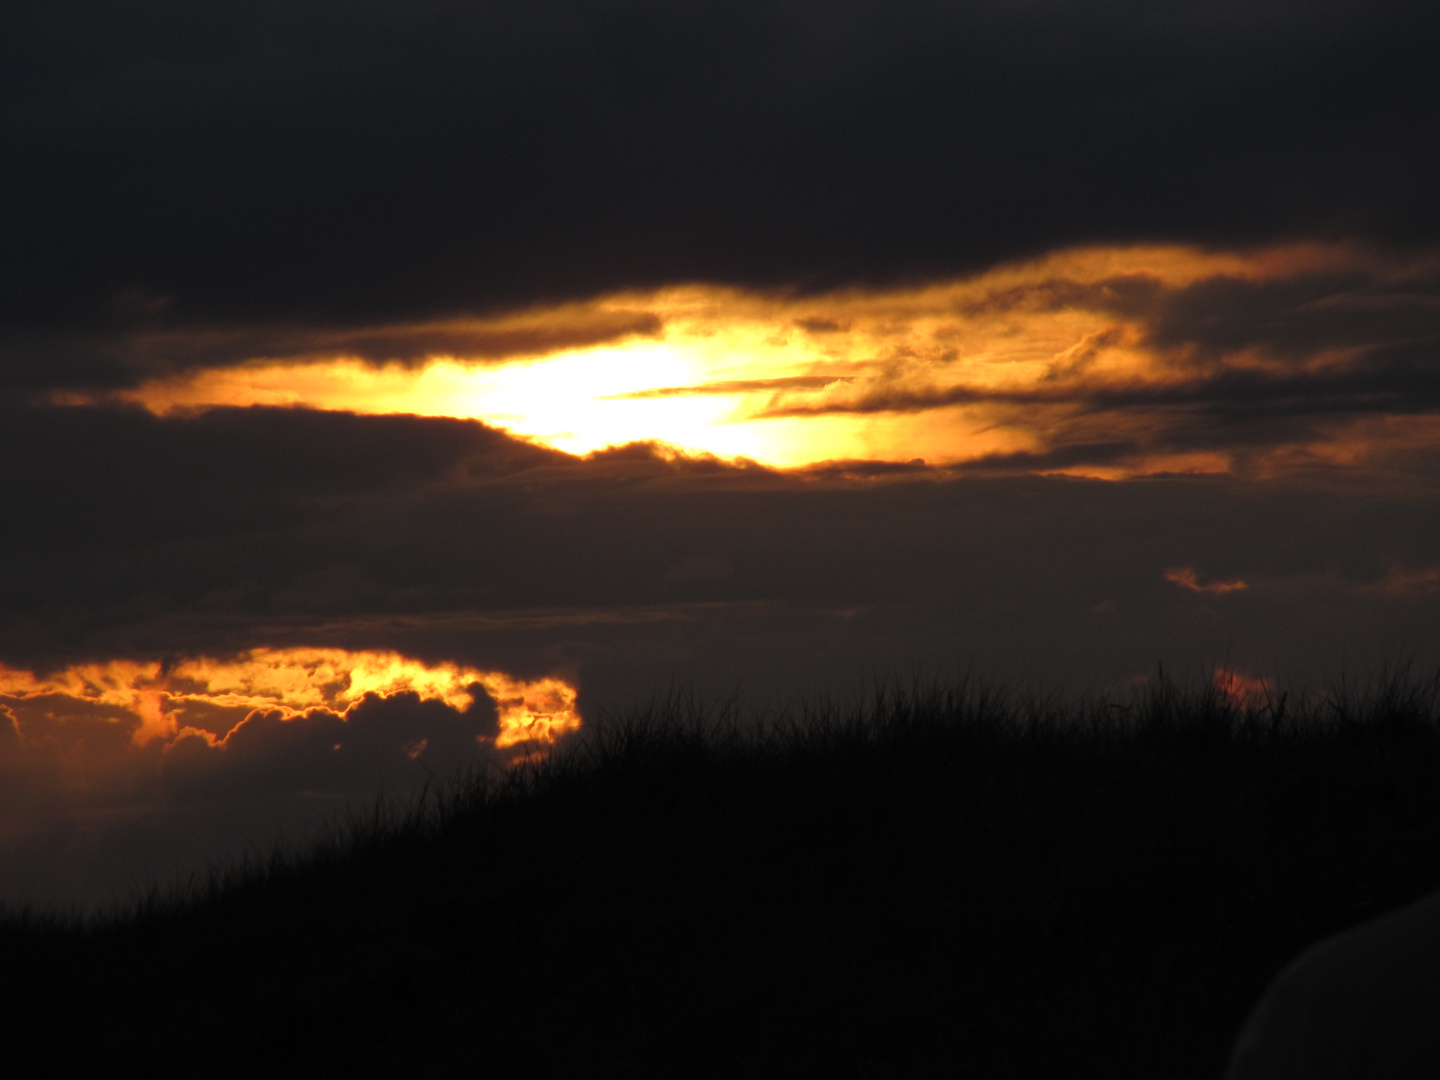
(1401,582)
(1082,362)
(1186,578)
(210,699)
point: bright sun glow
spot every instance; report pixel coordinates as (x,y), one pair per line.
(210,698)
(954,372)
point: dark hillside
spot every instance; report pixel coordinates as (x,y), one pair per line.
(942,884)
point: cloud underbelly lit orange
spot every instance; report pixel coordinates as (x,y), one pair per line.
(210,699)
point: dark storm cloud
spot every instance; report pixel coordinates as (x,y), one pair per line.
(242,163)
(87,816)
(40,360)
(1289,314)
(86,479)
(379,742)
(1298,317)
(550,333)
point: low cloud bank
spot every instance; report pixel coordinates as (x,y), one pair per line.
(125,749)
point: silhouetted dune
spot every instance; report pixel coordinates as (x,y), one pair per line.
(938,882)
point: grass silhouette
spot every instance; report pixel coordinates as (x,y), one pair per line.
(939,881)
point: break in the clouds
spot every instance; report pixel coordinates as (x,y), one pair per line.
(1109,239)
(1106,362)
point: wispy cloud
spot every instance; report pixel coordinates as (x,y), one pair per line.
(1399,581)
(1186,578)
(738,386)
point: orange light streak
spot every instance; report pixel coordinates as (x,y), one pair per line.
(1186,578)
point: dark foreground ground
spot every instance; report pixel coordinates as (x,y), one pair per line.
(939,884)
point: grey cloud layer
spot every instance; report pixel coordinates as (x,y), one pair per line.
(445,531)
(245,162)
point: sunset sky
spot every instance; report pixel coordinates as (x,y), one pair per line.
(391,387)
